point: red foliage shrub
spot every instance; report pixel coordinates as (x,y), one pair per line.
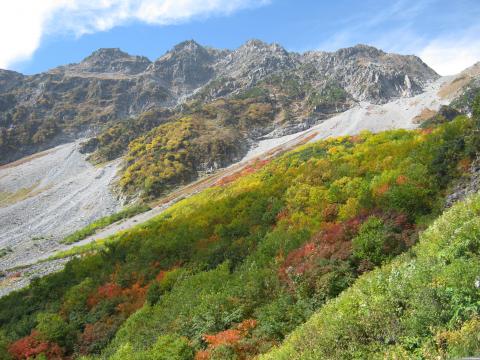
(333,242)
(106,291)
(134,299)
(96,335)
(33,345)
(249,169)
(229,337)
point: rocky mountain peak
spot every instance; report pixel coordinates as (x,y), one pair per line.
(254,60)
(111,60)
(370,74)
(360,50)
(184,68)
(258,46)
(190,46)
(106,54)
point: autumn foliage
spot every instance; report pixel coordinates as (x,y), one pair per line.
(249,169)
(254,258)
(230,337)
(33,345)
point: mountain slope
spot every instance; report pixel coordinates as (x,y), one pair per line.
(424,304)
(400,113)
(236,268)
(45,197)
(40,111)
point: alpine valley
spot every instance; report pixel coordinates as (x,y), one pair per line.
(240,204)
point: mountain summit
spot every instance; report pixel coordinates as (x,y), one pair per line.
(113,60)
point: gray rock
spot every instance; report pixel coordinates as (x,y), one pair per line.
(468,185)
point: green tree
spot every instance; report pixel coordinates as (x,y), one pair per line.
(52,327)
(4,355)
(372,241)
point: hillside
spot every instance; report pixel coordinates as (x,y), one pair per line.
(223,107)
(248,244)
(230,272)
(400,113)
(423,305)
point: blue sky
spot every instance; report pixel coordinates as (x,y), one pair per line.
(446,34)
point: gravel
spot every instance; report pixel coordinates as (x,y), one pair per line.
(61,193)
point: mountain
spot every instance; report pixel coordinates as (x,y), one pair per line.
(281,205)
(261,101)
(77,100)
(319,253)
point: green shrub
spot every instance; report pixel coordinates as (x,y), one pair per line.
(52,327)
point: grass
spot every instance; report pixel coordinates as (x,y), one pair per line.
(104,222)
(79,250)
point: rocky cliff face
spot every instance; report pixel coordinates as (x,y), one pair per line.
(185,68)
(41,110)
(109,61)
(369,74)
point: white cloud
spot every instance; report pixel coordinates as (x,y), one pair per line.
(21,27)
(449,55)
(394,29)
(24,22)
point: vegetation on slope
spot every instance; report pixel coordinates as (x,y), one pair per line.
(423,305)
(464,102)
(230,272)
(101,223)
(112,142)
(168,148)
(206,138)
(41,111)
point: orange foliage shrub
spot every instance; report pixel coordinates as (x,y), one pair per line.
(229,337)
(202,355)
(134,299)
(249,169)
(106,291)
(401,180)
(382,189)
